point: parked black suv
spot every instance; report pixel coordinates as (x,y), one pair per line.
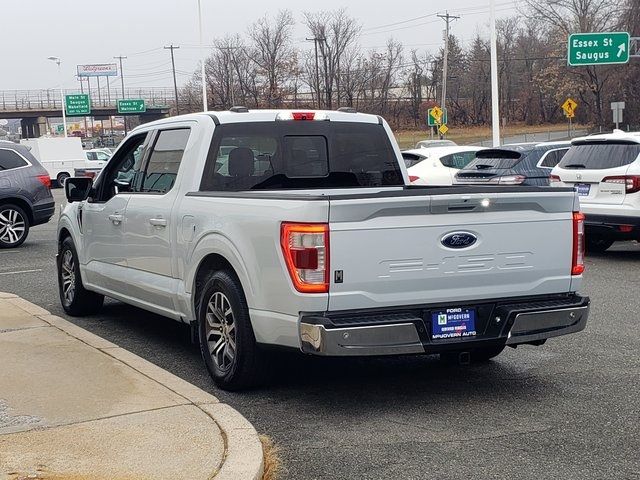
(25,194)
(517,164)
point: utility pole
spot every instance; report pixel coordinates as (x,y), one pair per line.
(205,105)
(230,68)
(172,47)
(120,58)
(447,19)
(315,41)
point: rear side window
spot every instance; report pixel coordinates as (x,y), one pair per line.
(599,156)
(10,160)
(553,157)
(458,160)
(411,159)
(299,154)
(164,161)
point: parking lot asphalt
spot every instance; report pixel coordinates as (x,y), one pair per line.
(568,409)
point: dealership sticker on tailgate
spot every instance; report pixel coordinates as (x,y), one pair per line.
(453,323)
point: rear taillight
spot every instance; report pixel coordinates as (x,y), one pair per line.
(413,178)
(508,180)
(577,263)
(45,180)
(631,182)
(554,179)
(306,253)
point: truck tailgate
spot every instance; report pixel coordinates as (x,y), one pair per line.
(390,250)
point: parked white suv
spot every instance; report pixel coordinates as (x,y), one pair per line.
(297,230)
(437,165)
(605,171)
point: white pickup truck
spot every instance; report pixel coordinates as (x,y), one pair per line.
(297,229)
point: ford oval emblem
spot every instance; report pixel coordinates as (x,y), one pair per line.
(458,240)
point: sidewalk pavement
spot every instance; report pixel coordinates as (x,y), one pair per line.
(75,406)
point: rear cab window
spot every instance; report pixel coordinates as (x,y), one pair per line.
(600,155)
(303,154)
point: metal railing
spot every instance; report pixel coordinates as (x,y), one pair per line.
(49,99)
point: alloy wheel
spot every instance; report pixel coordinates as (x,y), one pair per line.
(68,276)
(12,226)
(220,330)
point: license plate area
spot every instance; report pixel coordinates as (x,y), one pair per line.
(583,189)
(454,324)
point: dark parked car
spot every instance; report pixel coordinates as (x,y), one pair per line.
(519,164)
(25,194)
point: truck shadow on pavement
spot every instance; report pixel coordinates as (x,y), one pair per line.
(322,380)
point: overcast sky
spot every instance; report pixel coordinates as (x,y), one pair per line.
(92,31)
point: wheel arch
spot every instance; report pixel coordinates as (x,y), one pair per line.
(19,202)
(212,262)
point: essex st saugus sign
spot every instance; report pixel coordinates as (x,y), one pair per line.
(598,48)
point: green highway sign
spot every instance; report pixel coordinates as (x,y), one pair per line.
(598,48)
(60,128)
(432,121)
(131,106)
(77,105)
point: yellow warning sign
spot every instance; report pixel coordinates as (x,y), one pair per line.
(569,107)
(443,129)
(436,113)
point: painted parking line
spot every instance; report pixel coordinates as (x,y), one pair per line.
(20,271)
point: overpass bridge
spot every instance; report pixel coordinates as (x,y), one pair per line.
(34,107)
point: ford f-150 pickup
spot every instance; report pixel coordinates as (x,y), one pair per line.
(298,229)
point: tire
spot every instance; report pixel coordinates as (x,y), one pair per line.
(227,341)
(597,244)
(61,178)
(477,355)
(14,226)
(75,299)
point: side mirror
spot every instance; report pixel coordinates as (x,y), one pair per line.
(122,186)
(77,189)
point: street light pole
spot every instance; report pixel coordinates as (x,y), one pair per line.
(202,55)
(495,98)
(64,114)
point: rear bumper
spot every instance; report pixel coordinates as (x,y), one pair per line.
(407,331)
(618,227)
(43,212)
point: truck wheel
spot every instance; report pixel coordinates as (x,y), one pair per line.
(597,244)
(14,226)
(227,341)
(61,178)
(75,299)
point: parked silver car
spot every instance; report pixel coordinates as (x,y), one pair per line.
(25,194)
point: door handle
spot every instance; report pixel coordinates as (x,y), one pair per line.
(116,218)
(158,222)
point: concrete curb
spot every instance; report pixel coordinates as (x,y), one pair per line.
(243,454)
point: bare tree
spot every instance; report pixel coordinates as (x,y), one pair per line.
(336,33)
(273,52)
